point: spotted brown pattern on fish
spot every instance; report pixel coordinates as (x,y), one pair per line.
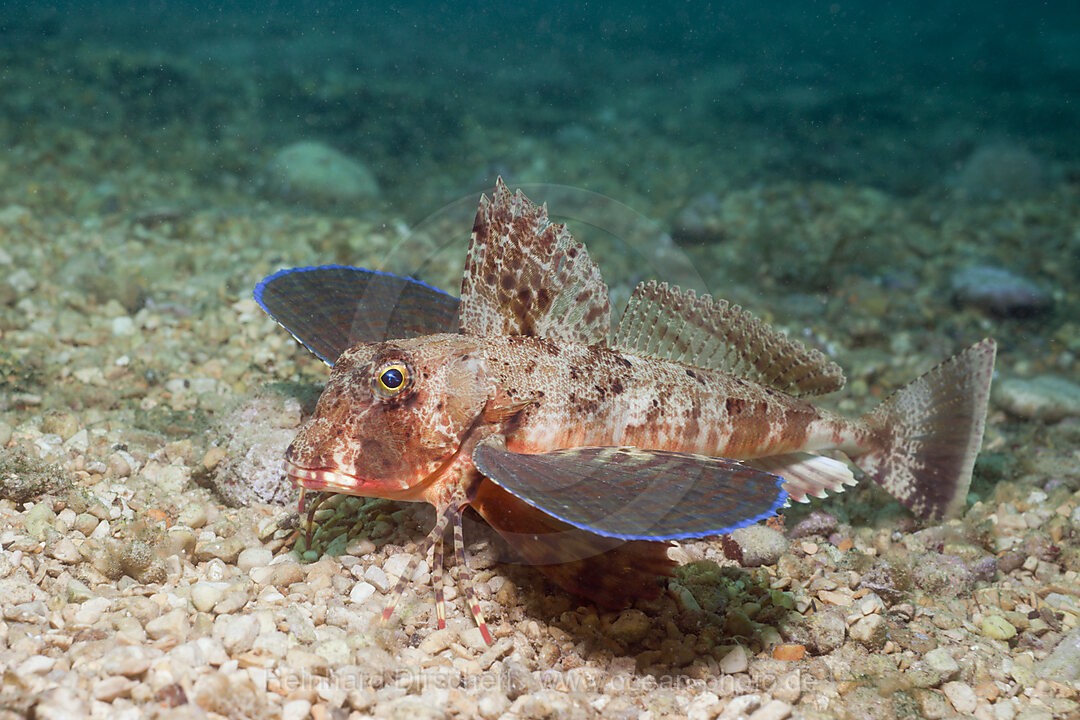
(589,456)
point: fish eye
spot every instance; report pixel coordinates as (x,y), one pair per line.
(391,379)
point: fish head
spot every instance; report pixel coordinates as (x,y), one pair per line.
(393,414)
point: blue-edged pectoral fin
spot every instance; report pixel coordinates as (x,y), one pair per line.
(330,308)
(635,494)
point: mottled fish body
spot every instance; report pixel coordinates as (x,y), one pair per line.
(590,451)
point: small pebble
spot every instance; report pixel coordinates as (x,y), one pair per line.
(438,641)
(999,291)
(254,557)
(63,424)
(740,707)
(296,710)
(377,577)
(240,634)
(757,545)
(871,631)
(178,541)
(92,610)
(111,688)
(997,627)
(360,592)
(1045,397)
(492,705)
(118,465)
(172,624)
(39,520)
(869,604)
(236,597)
(397,564)
(473,639)
(1063,664)
(816,523)
(789,652)
(212,457)
(78,592)
(703,707)
(961,696)
(772,710)
(360,547)
(630,627)
(36,665)
(941,662)
(126,661)
(734,661)
(65,551)
(62,703)
(827,631)
(85,523)
(280,574)
(205,595)
(227,550)
(193,515)
(316,173)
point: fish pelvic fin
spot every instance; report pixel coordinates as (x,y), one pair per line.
(609,571)
(929,432)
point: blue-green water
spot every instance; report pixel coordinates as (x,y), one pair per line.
(889,183)
(647,102)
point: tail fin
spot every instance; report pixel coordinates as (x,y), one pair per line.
(929,433)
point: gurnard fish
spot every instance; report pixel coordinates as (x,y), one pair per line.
(591,452)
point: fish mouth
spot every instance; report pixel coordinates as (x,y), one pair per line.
(324,479)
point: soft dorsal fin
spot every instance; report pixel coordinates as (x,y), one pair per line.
(663,322)
(525,275)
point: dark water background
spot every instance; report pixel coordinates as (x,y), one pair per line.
(647,102)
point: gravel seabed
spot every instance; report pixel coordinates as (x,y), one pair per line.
(144,404)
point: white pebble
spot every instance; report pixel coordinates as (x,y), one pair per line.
(205,595)
(254,557)
(123,326)
(961,696)
(740,707)
(397,564)
(703,707)
(734,661)
(65,551)
(869,604)
(111,688)
(295,710)
(772,710)
(377,577)
(92,610)
(361,592)
(36,665)
(240,634)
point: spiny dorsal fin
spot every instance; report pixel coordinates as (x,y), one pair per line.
(525,275)
(666,323)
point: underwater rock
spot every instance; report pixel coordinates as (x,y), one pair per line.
(998,291)
(816,523)
(318,174)
(1063,664)
(1002,171)
(755,545)
(700,221)
(942,575)
(254,435)
(24,478)
(825,632)
(1045,397)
